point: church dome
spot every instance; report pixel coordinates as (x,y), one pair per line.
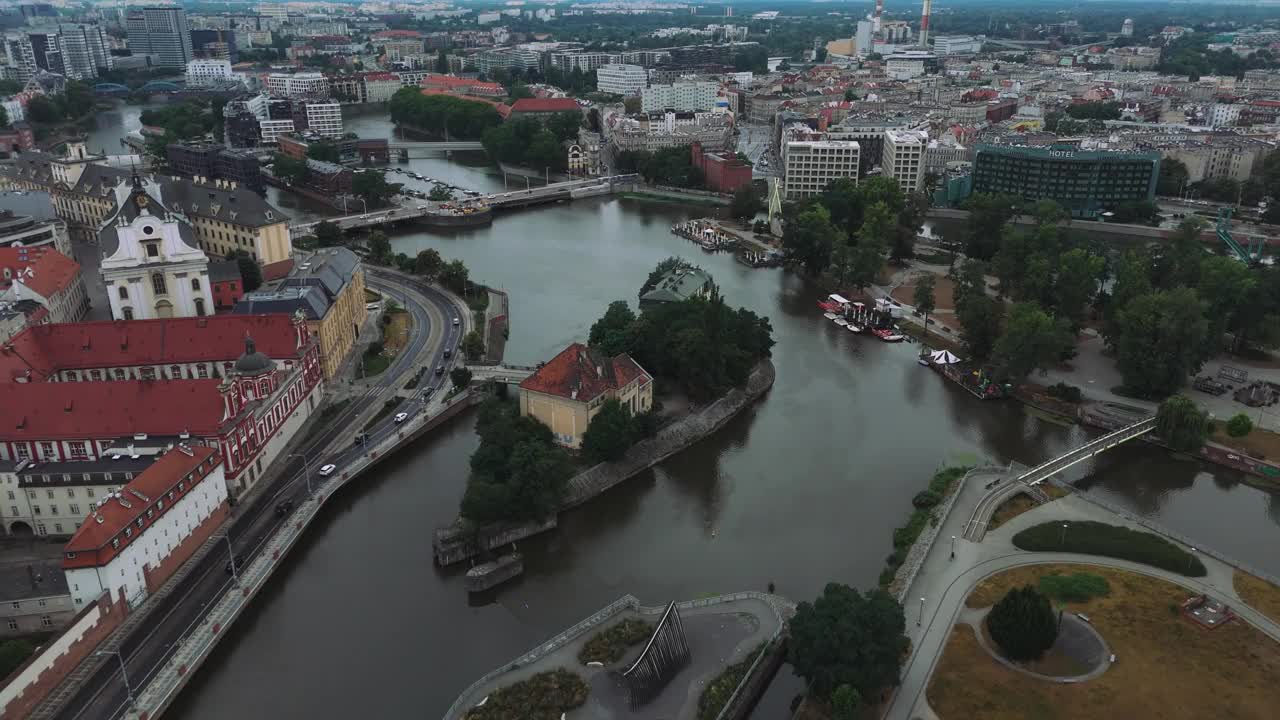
(253,362)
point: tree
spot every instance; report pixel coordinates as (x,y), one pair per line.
(611,334)
(845,703)
(1079,275)
(745,203)
(1225,284)
(40,109)
(250,270)
(987,215)
(1239,425)
(324,152)
(924,298)
(442,62)
(1023,624)
(440,193)
(848,638)
(1131,281)
(1182,424)
(473,345)
(328,234)
(428,263)
(660,270)
(518,473)
(1031,340)
(460,377)
(978,313)
(810,238)
(372,185)
(379,247)
(289,169)
(610,433)
(1160,341)
(868,254)
(454,276)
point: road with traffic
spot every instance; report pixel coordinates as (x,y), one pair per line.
(104,695)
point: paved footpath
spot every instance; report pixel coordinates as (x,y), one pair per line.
(944,583)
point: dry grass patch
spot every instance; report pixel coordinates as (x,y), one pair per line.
(1261,444)
(1258,593)
(1020,503)
(395,334)
(1167,667)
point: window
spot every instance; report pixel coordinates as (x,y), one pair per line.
(48,493)
(21,452)
(202,371)
(53,509)
(13,510)
(195,283)
(89,491)
(153,249)
(46,450)
(13,624)
(158,285)
(11,496)
(175,372)
(41,530)
(46,621)
(115,543)
(75,509)
(35,510)
(57,528)
(78,451)
(199,307)
(123,292)
(147,373)
(128,315)
(71,492)
(17,605)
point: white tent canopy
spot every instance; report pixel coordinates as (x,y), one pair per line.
(943,357)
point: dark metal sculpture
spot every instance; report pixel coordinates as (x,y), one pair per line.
(665,655)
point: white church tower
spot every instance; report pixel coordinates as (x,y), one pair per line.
(151,263)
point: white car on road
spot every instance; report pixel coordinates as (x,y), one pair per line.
(401,417)
(328,469)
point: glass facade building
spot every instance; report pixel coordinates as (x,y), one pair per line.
(1085,182)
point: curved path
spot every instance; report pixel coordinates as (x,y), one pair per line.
(944,584)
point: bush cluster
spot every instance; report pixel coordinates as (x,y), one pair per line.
(924,501)
(609,645)
(544,696)
(719,690)
(1065,392)
(1095,538)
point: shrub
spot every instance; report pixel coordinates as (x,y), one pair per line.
(609,645)
(905,536)
(1239,425)
(1095,538)
(719,690)
(1023,624)
(1076,588)
(925,499)
(375,348)
(545,696)
(1063,391)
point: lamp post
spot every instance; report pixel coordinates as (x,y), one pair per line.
(920,619)
(1062,542)
(235,573)
(123,673)
(364,203)
(953,547)
(1191,559)
(306,469)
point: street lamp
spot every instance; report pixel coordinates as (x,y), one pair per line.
(123,673)
(1062,542)
(920,619)
(306,469)
(953,547)
(235,574)
(1191,559)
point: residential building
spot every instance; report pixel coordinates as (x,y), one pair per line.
(681,96)
(18,137)
(902,157)
(28,219)
(134,540)
(53,498)
(1084,182)
(654,131)
(85,50)
(162,32)
(462,86)
(809,166)
(271,130)
(722,171)
(20,56)
(34,596)
(568,61)
(379,87)
(911,64)
(1224,114)
(620,79)
(46,44)
(215,162)
(678,285)
(78,392)
(566,392)
(510,59)
(325,118)
(869,134)
(151,262)
(46,276)
(228,285)
(224,216)
(298,85)
(327,289)
(401,49)
(209,72)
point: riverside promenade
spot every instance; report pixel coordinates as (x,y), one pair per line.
(720,631)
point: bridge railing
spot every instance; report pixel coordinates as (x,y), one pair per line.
(1124,433)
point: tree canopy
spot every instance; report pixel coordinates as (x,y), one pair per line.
(518,473)
(372,185)
(1023,624)
(1161,341)
(443,114)
(610,433)
(1182,424)
(1031,340)
(847,638)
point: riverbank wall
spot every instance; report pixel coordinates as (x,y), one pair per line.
(662,192)
(1117,231)
(458,542)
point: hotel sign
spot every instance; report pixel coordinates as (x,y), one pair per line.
(1062,153)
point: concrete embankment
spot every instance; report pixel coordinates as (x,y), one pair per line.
(459,542)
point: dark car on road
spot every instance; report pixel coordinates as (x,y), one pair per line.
(239,564)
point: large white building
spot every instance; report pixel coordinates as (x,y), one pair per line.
(1224,114)
(298,85)
(957,44)
(810,166)
(132,540)
(903,157)
(621,79)
(910,64)
(272,130)
(325,118)
(152,264)
(681,96)
(208,72)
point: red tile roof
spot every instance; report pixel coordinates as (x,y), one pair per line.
(43,269)
(277,270)
(398,34)
(92,542)
(101,410)
(36,352)
(580,373)
(545,105)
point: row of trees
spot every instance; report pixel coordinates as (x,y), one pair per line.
(533,142)
(518,473)
(443,114)
(75,102)
(846,233)
(667,166)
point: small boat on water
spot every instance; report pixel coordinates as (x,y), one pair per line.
(853,328)
(829,315)
(842,322)
(888,334)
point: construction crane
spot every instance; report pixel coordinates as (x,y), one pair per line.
(1248,255)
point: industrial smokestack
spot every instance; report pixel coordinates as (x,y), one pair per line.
(875,20)
(924,24)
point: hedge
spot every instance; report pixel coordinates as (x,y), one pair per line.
(719,690)
(544,696)
(1095,538)
(609,645)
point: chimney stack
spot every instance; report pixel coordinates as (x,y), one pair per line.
(924,24)
(875,19)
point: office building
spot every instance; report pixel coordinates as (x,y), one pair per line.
(202,73)
(957,44)
(680,96)
(902,157)
(298,85)
(911,64)
(28,219)
(1084,182)
(619,79)
(85,51)
(215,45)
(325,118)
(214,162)
(162,32)
(810,166)
(20,56)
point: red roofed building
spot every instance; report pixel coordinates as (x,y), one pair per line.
(242,384)
(536,107)
(134,539)
(462,86)
(565,393)
(46,276)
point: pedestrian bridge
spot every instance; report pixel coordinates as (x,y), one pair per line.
(509,374)
(442,145)
(1044,471)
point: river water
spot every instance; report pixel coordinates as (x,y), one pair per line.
(801,490)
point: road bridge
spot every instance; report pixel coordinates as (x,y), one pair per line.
(442,145)
(509,374)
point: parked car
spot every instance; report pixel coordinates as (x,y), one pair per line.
(401,417)
(439,369)
(328,470)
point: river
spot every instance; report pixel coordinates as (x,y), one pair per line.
(802,490)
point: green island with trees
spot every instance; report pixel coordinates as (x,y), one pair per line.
(442,115)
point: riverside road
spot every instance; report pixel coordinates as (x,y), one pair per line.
(104,695)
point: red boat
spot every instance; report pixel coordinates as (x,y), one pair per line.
(834,304)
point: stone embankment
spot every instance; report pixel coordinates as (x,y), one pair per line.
(458,542)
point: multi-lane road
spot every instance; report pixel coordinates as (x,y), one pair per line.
(103,696)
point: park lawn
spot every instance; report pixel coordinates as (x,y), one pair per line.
(395,335)
(1166,666)
(1258,593)
(1259,443)
(1020,503)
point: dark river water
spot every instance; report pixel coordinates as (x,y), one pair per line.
(801,490)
